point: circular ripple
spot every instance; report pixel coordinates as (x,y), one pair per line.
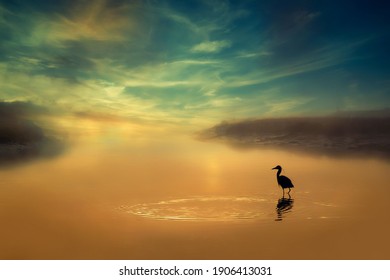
(205,209)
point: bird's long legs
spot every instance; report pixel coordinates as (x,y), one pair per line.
(289,190)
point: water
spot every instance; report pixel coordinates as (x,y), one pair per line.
(178,198)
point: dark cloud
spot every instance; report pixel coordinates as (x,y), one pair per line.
(20,109)
(342,134)
(20,138)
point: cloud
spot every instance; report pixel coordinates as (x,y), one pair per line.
(211,46)
(20,138)
(182,20)
(275,107)
(95,20)
(215,17)
(252,55)
(317,59)
(341,134)
(100,117)
(20,109)
(153,60)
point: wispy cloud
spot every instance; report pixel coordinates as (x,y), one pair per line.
(254,54)
(211,47)
(88,20)
(185,21)
(280,106)
(317,59)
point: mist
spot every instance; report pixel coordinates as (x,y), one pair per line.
(21,139)
(344,134)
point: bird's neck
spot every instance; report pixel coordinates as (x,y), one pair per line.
(279,171)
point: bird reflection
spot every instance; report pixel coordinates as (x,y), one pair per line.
(283,207)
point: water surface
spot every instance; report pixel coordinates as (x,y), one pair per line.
(177,198)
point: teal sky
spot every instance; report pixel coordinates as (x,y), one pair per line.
(195,63)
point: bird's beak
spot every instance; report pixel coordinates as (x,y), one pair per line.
(273,168)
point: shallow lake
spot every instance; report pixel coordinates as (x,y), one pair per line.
(179,198)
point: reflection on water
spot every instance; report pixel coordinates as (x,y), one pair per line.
(204,209)
(283,207)
(183,199)
(227,209)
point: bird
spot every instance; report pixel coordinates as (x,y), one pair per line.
(283,181)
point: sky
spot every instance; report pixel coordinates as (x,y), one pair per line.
(193,64)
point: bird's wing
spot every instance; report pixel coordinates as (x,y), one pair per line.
(285,181)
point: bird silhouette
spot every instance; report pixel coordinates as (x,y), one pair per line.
(283,181)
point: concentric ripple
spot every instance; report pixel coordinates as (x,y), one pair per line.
(205,209)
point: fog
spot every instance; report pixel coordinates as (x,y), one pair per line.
(334,135)
(21,139)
